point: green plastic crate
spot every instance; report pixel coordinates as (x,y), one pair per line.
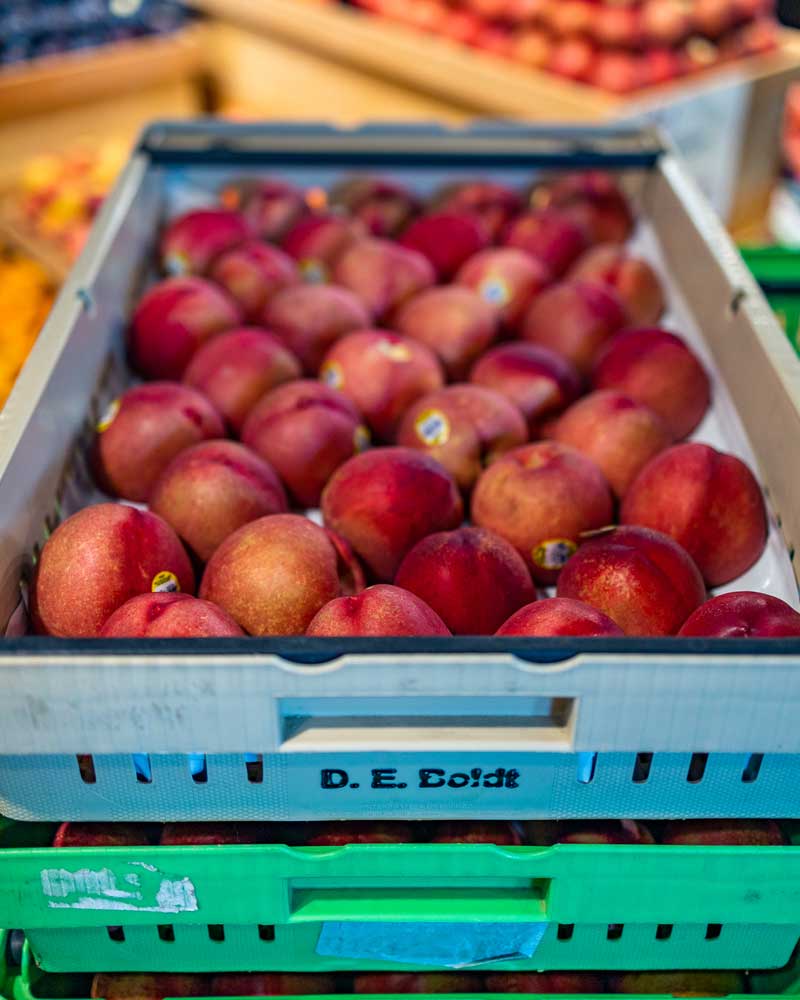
(208,909)
(777,270)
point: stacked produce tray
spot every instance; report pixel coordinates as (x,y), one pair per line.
(326,729)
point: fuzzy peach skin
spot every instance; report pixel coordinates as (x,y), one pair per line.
(169,616)
(470,831)
(741,615)
(273,575)
(382,274)
(574,319)
(148,986)
(705,983)
(144,430)
(418,982)
(378,610)
(272,984)
(538,381)
(631,277)
(98,559)
(252,272)
(545,982)
(191,241)
(471,577)
(102,835)
(341,832)
(209,491)
(382,205)
(270,206)
(594,200)
(657,368)
(550,236)
(464,427)
(383,373)
(316,241)
(172,320)
(541,498)
(305,430)
(708,501)
(385,500)
(454,322)
(507,279)
(310,318)
(447,239)
(641,579)
(350,571)
(620,435)
(494,204)
(235,369)
(559,616)
(722,833)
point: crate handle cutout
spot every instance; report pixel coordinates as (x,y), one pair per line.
(351,724)
(422,905)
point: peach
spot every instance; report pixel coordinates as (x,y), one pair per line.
(191,241)
(382,373)
(541,498)
(618,26)
(545,982)
(559,616)
(383,274)
(270,206)
(464,427)
(235,369)
(417,982)
(317,240)
(378,610)
(211,834)
(553,238)
(574,319)
(454,322)
(98,559)
(447,239)
(340,833)
(631,277)
(273,575)
(348,568)
(472,578)
(724,833)
(252,272)
(665,22)
(305,430)
(385,500)
(574,58)
(707,983)
(147,986)
(211,490)
(142,431)
(708,501)
(660,65)
(657,368)
(538,381)
(641,579)
(605,832)
(384,206)
(494,204)
(173,319)
(102,835)
(620,435)
(309,318)
(741,615)
(482,831)
(168,616)
(271,984)
(507,278)
(594,200)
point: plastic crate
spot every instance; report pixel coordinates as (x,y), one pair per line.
(427,728)
(777,270)
(399,906)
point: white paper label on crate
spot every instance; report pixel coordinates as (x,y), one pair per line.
(448,945)
(144,888)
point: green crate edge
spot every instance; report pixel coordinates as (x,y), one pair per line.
(777,270)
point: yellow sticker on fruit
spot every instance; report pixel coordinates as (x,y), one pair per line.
(553,553)
(176,264)
(108,416)
(495,290)
(361,438)
(165,583)
(394,352)
(331,374)
(432,427)
(314,271)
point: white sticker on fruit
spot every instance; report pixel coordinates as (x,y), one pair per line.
(331,374)
(165,583)
(144,889)
(314,271)
(393,351)
(432,427)
(553,553)
(495,290)
(108,416)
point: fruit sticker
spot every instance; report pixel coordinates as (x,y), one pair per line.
(313,271)
(394,352)
(108,416)
(553,553)
(432,427)
(361,438)
(165,583)
(332,375)
(176,264)
(495,290)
